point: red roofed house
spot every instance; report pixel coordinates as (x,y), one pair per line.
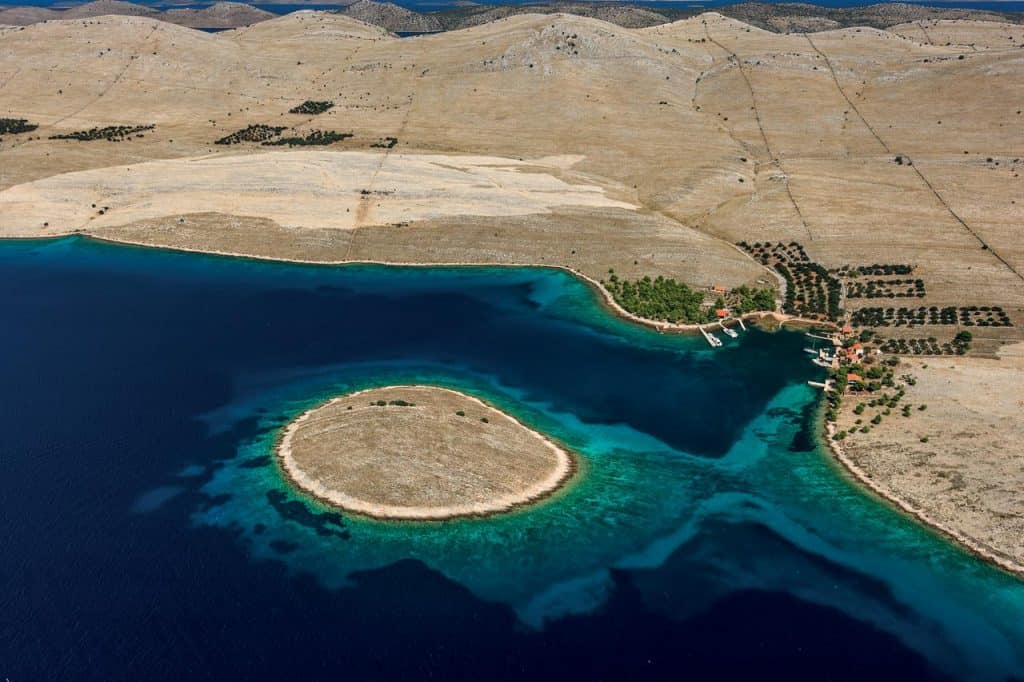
(721,313)
(854,378)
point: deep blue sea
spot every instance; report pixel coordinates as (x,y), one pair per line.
(146,532)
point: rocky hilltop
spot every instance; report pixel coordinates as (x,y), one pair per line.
(100,8)
(393,18)
(220,15)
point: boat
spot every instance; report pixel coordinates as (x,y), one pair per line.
(713,340)
(821,363)
(730,332)
(812,351)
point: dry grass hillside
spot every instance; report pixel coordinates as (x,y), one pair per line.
(706,125)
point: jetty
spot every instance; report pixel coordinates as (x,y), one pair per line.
(712,340)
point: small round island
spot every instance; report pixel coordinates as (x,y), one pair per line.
(420,452)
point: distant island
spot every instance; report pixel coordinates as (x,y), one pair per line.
(778,17)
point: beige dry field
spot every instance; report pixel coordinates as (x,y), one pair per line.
(548,139)
(420,452)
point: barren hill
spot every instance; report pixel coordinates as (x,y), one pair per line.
(99,8)
(392,17)
(707,123)
(23,16)
(219,15)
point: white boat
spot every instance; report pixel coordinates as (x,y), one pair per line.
(821,363)
(713,340)
(730,332)
(812,351)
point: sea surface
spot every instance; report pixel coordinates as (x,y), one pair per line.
(146,532)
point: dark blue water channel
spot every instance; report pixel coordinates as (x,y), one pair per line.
(147,532)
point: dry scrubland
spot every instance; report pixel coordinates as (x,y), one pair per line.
(420,452)
(968,476)
(558,140)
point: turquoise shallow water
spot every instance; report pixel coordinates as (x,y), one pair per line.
(703,511)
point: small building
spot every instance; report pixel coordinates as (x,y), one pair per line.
(854,378)
(722,313)
(847,329)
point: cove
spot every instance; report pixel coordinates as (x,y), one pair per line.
(148,532)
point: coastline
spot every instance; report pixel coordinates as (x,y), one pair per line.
(604,296)
(567,466)
(846,465)
(959,539)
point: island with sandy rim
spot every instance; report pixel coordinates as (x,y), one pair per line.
(420,453)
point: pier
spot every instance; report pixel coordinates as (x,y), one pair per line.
(712,340)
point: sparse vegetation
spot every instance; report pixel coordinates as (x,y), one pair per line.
(15,126)
(311,107)
(886,288)
(903,317)
(315,138)
(108,133)
(875,270)
(253,133)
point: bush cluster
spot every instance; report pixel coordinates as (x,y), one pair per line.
(311,107)
(254,133)
(885,288)
(875,270)
(746,299)
(15,126)
(315,138)
(968,316)
(108,133)
(903,317)
(984,316)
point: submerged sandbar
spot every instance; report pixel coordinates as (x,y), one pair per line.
(420,452)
